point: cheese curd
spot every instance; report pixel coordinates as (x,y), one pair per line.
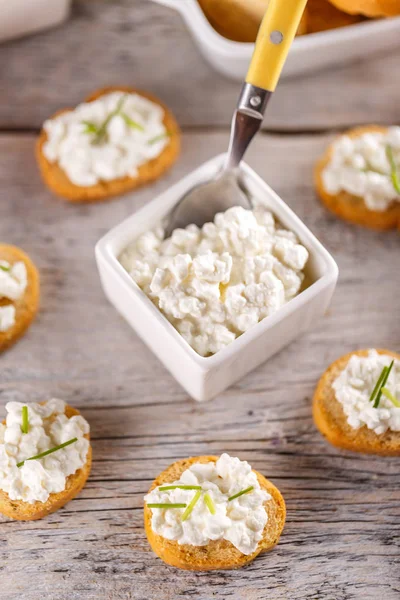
(353,388)
(133,135)
(216,282)
(13,280)
(361,167)
(48,427)
(7,317)
(240,521)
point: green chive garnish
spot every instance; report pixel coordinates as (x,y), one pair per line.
(394,175)
(246,491)
(383,383)
(166,505)
(131,123)
(90,127)
(164,488)
(25,421)
(191,506)
(378,385)
(160,137)
(42,454)
(100,132)
(209,503)
(390,397)
(6,269)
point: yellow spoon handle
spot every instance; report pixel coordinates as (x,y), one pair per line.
(275,36)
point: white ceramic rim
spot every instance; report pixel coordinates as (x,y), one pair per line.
(105,252)
(200,26)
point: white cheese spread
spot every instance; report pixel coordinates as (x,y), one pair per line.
(240,521)
(13,280)
(48,428)
(133,135)
(354,386)
(360,166)
(216,282)
(7,317)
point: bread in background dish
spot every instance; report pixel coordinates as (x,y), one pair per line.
(369,8)
(98,187)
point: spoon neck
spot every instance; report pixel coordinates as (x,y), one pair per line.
(246,122)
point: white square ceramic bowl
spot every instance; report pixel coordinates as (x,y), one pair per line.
(308,53)
(23,17)
(203,378)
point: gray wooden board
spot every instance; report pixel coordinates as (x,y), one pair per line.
(341,540)
(146,45)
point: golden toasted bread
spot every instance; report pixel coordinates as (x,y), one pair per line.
(369,8)
(331,421)
(27,306)
(322,16)
(24,511)
(58,181)
(239,20)
(218,554)
(353,208)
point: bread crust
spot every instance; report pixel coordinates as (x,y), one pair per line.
(57,180)
(369,8)
(24,511)
(352,208)
(218,554)
(27,306)
(331,421)
(323,16)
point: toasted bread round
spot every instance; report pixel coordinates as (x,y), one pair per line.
(239,20)
(331,421)
(24,511)
(369,8)
(353,208)
(58,181)
(322,16)
(218,554)
(27,306)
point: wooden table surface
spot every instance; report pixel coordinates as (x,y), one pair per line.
(341,540)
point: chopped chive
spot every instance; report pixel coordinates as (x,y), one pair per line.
(25,420)
(394,174)
(42,454)
(164,488)
(209,503)
(385,378)
(378,384)
(131,123)
(159,137)
(246,491)
(90,127)
(390,397)
(191,506)
(101,133)
(6,269)
(166,505)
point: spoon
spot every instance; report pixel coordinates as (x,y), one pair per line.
(277,31)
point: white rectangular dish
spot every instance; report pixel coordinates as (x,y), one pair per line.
(204,378)
(23,17)
(309,52)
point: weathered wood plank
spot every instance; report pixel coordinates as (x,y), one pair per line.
(148,46)
(341,541)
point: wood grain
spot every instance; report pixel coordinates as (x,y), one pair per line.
(341,541)
(122,42)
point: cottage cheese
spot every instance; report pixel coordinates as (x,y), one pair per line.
(360,166)
(13,280)
(353,388)
(125,147)
(7,317)
(240,521)
(48,427)
(217,282)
